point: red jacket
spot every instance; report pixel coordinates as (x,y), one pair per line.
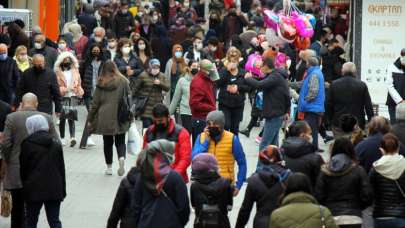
(182,151)
(202,97)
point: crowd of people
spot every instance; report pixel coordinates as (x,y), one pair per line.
(184,78)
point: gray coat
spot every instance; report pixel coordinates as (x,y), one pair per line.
(15,132)
(103,114)
(182,96)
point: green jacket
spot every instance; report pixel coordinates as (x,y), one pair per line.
(301,210)
(103,114)
(182,96)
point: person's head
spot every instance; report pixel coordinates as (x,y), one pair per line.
(300,129)
(402,58)
(306,54)
(112,40)
(36,123)
(20,23)
(14,30)
(215,123)
(324,36)
(343,145)
(62,44)
(155,16)
(378,124)
(39,41)
(99,33)
(193,67)
(298,182)
(29,100)
(332,44)
(400,112)
(38,62)
(134,37)
(88,8)
(95,51)
(21,53)
(109,70)
(233,54)
(312,61)
(204,163)
(197,43)
(124,7)
(329,34)
(161,117)
(142,45)
(36,30)
(348,123)
(213,44)
(349,68)
(271,155)
(154,67)
(389,144)
(268,65)
(66,63)
(124,47)
(3,52)
(177,51)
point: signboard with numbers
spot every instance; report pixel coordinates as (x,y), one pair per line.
(383,37)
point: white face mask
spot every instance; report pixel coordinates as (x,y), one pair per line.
(213,49)
(198,46)
(37,45)
(141,47)
(155,18)
(23,58)
(62,46)
(98,39)
(155,72)
(112,45)
(126,50)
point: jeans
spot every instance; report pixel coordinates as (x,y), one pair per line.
(52,209)
(17,211)
(62,124)
(198,126)
(271,131)
(391,223)
(392,112)
(186,122)
(108,147)
(314,121)
(233,117)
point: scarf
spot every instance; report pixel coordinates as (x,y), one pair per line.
(180,62)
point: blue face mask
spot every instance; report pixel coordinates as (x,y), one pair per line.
(3,57)
(178,54)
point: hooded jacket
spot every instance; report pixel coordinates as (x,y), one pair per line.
(123,24)
(77,84)
(264,188)
(343,187)
(385,176)
(301,156)
(42,168)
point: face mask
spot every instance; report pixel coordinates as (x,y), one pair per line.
(160,127)
(139,14)
(62,46)
(194,71)
(66,65)
(141,47)
(95,54)
(214,132)
(232,66)
(111,45)
(126,50)
(38,45)
(23,58)
(38,68)
(402,59)
(155,72)
(178,54)
(198,46)
(330,37)
(3,56)
(213,49)
(124,11)
(98,39)
(155,18)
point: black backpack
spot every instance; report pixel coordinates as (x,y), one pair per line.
(210,216)
(125,114)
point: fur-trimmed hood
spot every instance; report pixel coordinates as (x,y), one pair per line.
(64,55)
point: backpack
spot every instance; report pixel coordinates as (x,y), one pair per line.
(125,113)
(210,216)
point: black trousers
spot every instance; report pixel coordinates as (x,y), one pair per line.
(62,124)
(233,117)
(108,147)
(17,211)
(198,126)
(186,122)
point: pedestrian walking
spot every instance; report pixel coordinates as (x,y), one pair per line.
(41,47)
(128,64)
(103,119)
(10,76)
(42,172)
(395,82)
(22,59)
(175,68)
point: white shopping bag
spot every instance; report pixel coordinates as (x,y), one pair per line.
(134,143)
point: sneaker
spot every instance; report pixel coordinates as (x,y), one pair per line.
(258,139)
(121,169)
(90,142)
(72,142)
(63,141)
(108,171)
(327,139)
(245,132)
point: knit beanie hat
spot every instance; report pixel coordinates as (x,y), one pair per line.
(217,117)
(271,154)
(204,162)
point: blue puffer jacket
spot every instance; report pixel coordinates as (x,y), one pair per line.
(316,105)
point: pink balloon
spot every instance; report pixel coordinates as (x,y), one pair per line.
(253,64)
(287,30)
(281,60)
(271,20)
(303,26)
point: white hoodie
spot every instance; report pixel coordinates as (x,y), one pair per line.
(390,166)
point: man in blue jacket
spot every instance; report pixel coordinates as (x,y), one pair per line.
(312,97)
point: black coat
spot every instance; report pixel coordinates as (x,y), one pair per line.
(264,189)
(50,54)
(399,130)
(349,95)
(398,81)
(5,109)
(122,210)
(123,24)
(332,64)
(44,85)
(276,93)
(301,156)
(133,62)
(228,99)
(86,74)
(89,21)
(218,190)
(42,168)
(345,190)
(10,75)
(172,211)
(388,200)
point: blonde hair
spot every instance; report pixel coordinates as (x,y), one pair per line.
(19,49)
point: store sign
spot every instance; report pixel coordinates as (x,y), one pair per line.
(383,37)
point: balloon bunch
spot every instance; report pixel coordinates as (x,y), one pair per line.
(289,25)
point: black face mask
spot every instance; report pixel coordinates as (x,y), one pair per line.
(38,69)
(160,127)
(194,71)
(214,132)
(66,66)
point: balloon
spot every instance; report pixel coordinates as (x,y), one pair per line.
(287,30)
(273,39)
(303,26)
(311,19)
(271,19)
(253,64)
(281,60)
(302,43)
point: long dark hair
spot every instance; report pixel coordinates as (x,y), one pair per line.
(148,51)
(343,145)
(109,70)
(297,128)
(90,57)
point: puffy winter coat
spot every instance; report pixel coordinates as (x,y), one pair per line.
(77,84)
(228,99)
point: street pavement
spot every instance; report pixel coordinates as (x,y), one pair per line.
(90,193)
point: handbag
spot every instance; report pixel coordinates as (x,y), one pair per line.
(124,108)
(140,103)
(6,204)
(69,111)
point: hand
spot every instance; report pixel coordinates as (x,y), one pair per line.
(235,192)
(156,82)
(130,72)
(248,75)
(206,132)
